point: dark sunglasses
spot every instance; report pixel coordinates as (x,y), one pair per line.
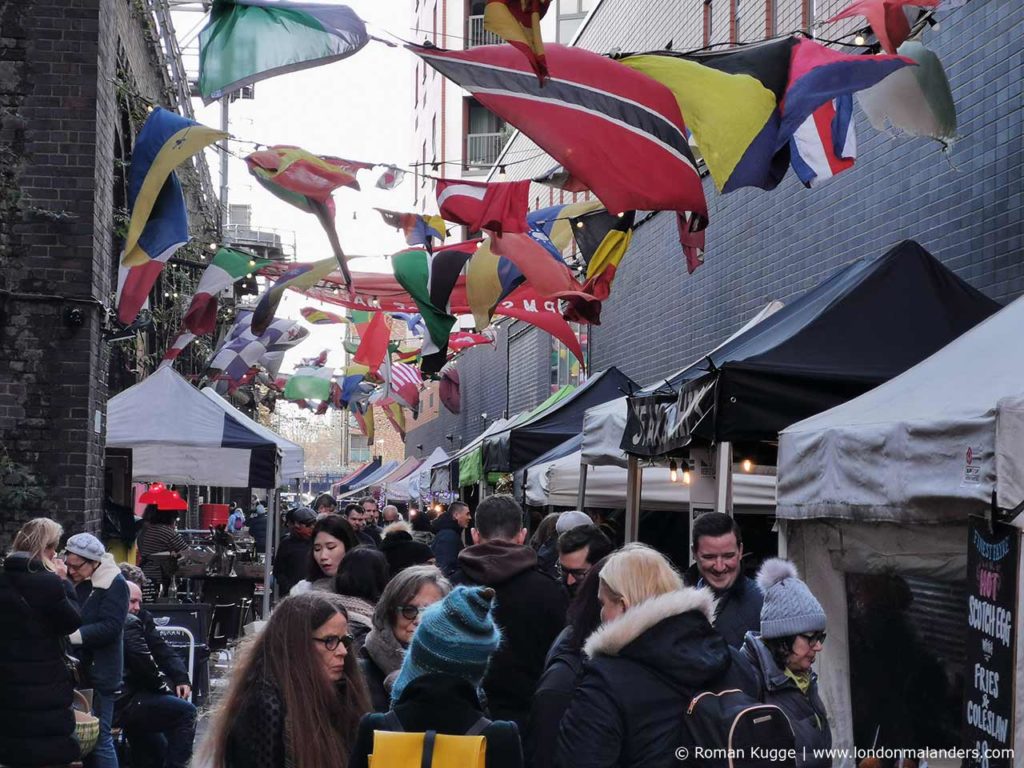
(410,612)
(331,642)
(813,638)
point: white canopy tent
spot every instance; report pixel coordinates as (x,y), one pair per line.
(409,486)
(293,456)
(885,482)
(179,436)
(557,483)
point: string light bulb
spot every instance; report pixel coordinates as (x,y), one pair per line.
(252,263)
(501,171)
(687,479)
(859,39)
(212,246)
(748,465)
(673,470)
(579,225)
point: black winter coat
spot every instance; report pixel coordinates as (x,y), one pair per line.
(36,722)
(447,543)
(529,607)
(291,563)
(167,659)
(562,670)
(141,673)
(402,551)
(103,601)
(806,712)
(257,735)
(374,678)
(644,668)
(444,704)
(739,611)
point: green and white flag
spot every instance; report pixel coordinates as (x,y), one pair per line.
(246,41)
(227,267)
(309,384)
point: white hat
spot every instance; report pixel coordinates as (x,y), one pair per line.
(572,519)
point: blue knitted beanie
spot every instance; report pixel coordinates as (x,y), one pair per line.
(456,637)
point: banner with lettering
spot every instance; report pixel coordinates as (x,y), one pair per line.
(993,560)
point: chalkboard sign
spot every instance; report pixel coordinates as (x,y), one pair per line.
(992,562)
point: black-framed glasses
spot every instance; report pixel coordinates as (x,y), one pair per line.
(577,573)
(813,638)
(410,612)
(331,642)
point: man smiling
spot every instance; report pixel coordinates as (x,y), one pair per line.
(718,550)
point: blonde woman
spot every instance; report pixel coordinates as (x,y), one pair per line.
(37,615)
(654,649)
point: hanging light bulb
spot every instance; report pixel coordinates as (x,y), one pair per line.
(252,263)
(579,224)
(212,246)
(501,171)
(686,477)
(748,465)
(859,39)
(673,470)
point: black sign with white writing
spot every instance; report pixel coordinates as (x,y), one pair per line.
(992,563)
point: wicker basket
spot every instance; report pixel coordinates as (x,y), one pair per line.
(87,725)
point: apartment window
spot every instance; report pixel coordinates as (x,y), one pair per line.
(485,134)
(737,13)
(565,368)
(709,22)
(571,14)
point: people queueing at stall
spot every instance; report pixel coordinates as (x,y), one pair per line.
(591,658)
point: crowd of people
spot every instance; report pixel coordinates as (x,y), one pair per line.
(560,650)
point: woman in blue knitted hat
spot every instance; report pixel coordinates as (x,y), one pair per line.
(439,685)
(782,653)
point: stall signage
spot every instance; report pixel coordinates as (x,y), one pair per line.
(993,560)
(658,424)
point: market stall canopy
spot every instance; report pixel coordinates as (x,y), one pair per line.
(357,479)
(409,487)
(370,480)
(572,445)
(293,457)
(919,448)
(518,445)
(179,436)
(399,473)
(348,478)
(557,484)
(862,326)
(444,476)
(604,425)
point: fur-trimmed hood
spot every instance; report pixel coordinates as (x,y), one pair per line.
(671,634)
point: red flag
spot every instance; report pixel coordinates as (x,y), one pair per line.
(886,18)
(499,207)
(459,342)
(373,344)
(403,386)
(524,304)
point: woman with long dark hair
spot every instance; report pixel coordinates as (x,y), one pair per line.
(361,579)
(296,694)
(333,538)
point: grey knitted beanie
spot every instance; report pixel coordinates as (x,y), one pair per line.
(789,607)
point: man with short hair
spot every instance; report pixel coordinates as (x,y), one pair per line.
(718,550)
(160,724)
(357,519)
(291,562)
(371,514)
(324,505)
(579,549)
(529,605)
(390,514)
(449,536)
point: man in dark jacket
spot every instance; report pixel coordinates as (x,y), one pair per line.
(103,596)
(578,549)
(257,525)
(530,605)
(449,532)
(291,563)
(718,549)
(160,724)
(371,516)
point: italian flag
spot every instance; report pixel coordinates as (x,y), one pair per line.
(309,383)
(246,41)
(227,267)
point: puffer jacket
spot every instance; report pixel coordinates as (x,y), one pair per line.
(643,669)
(806,712)
(104,604)
(562,668)
(36,722)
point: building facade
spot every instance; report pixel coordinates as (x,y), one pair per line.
(965,206)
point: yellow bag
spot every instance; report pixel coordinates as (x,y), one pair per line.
(397,749)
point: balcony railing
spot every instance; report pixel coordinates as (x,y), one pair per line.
(483,148)
(477,35)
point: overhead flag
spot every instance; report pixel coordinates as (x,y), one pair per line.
(461,341)
(390,178)
(373,342)
(316,316)
(448,390)
(396,416)
(499,207)
(274,357)
(307,181)
(181,341)
(246,41)
(229,266)
(309,383)
(887,18)
(363,413)
(559,178)
(915,101)
(297,277)
(418,229)
(402,384)
(158,224)
(429,278)
(518,23)
(243,348)
(603,239)
(825,144)
(619,132)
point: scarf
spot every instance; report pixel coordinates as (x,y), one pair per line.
(385,650)
(359,611)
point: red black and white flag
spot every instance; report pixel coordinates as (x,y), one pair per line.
(500,207)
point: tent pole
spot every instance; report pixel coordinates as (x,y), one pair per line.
(634,477)
(723,478)
(581,494)
(272,533)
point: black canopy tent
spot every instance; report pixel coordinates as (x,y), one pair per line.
(511,449)
(867,323)
(571,445)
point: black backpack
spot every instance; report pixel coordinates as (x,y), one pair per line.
(731,729)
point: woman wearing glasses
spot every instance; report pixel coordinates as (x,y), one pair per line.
(296,694)
(781,655)
(394,620)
